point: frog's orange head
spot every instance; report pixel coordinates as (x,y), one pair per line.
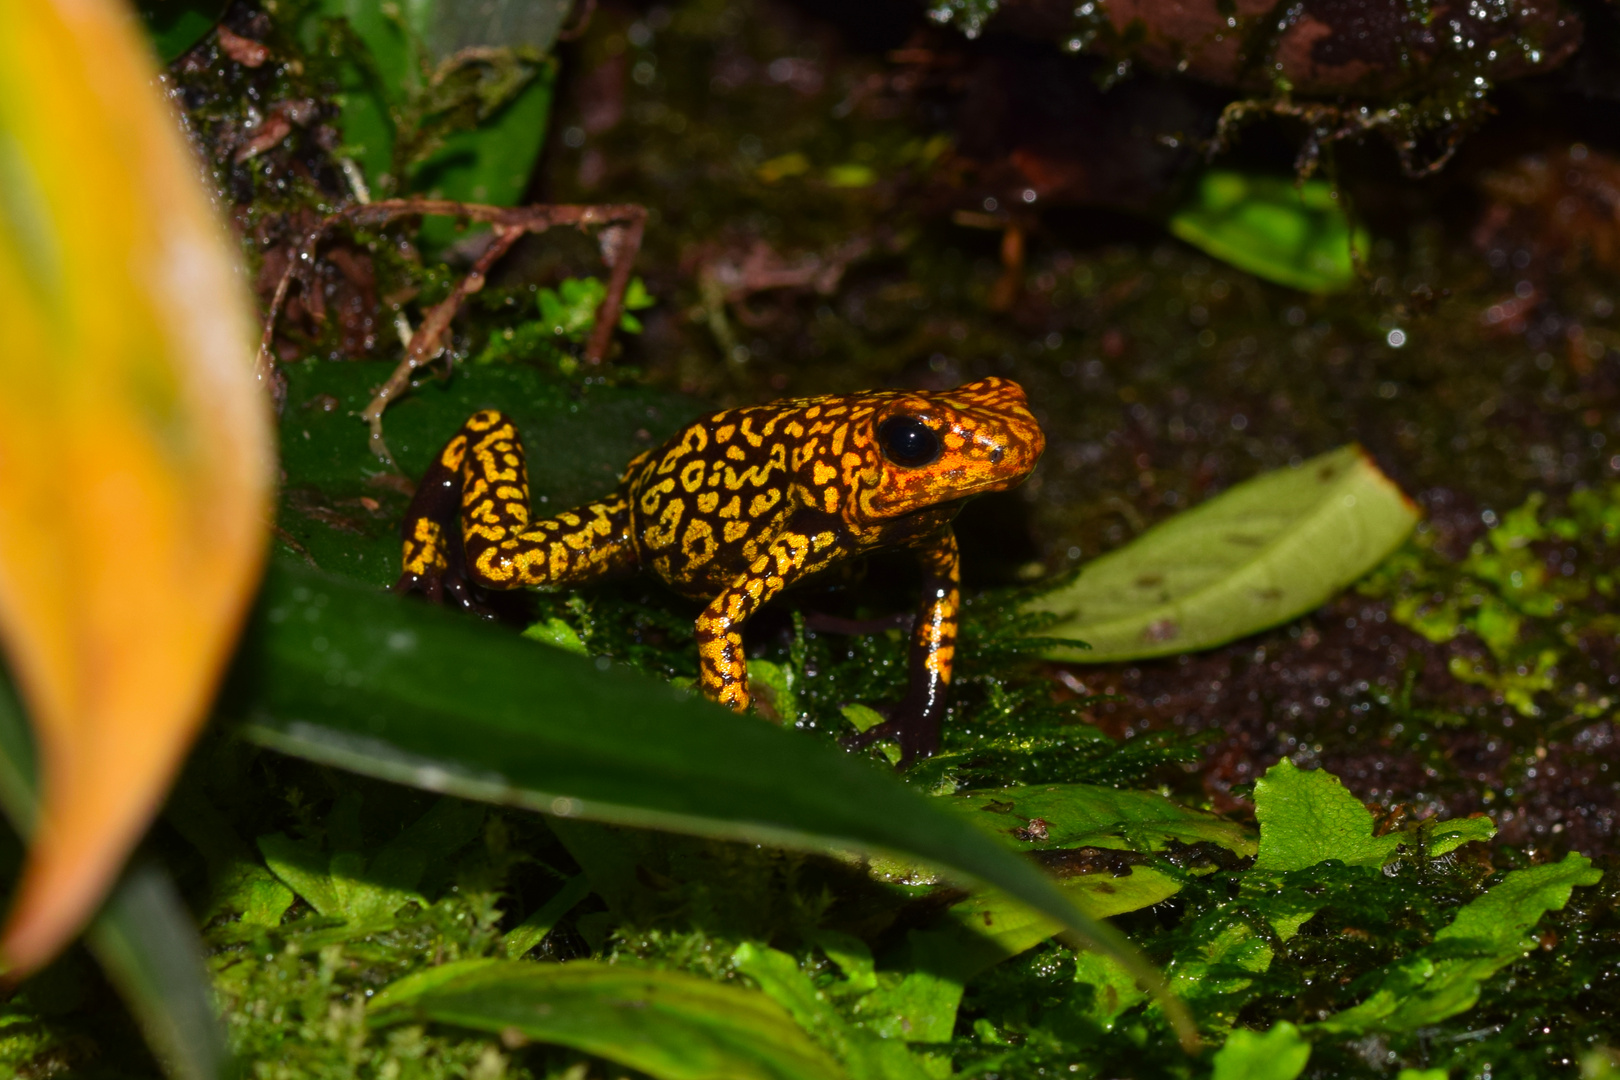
(939,447)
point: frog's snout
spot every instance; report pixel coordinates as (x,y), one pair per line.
(998,412)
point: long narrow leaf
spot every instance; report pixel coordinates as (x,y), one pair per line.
(342,674)
(143,936)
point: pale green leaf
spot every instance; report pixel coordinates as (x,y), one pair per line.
(1263,553)
(1089,815)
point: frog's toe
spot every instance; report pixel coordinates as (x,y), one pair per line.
(445,587)
(892,729)
(430,585)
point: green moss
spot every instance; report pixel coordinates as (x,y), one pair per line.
(1536,592)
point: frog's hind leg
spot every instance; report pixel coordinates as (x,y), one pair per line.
(469,523)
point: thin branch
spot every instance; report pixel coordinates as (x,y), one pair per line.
(430,338)
(619,248)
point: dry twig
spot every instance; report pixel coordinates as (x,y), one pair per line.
(619,244)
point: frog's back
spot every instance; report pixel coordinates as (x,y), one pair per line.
(707,503)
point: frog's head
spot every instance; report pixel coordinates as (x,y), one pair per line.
(933,448)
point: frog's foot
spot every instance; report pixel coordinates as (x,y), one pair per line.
(445,587)
(887,731)
(912,727)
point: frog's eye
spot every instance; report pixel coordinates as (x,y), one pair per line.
(908,441)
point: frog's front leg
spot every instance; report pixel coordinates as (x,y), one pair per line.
(921,714)
(468,523)
(722,664)
(916,722)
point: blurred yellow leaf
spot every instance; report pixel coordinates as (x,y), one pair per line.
(135,448)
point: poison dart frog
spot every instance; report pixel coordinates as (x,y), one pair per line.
(737,506)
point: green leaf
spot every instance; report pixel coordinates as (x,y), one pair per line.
(238,882)
(921,1006)
(492,162)
(1447,836)
(853,957)
(1500,919)
(402,993)
(1113,990)
(990,926)
(471,135)
(174,26)
(147,944)
(773,684)
(143,936)
(666,1024)
(1278,1054)
(1308,817)
(305,870)
(570,308)
(363,892)
(864,717)
(533,930)
(1488,934)
(865,1055)
(1263,553)
(1089,815)
(342,674)
(1293,234)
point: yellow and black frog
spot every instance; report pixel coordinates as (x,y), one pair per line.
(739,505)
